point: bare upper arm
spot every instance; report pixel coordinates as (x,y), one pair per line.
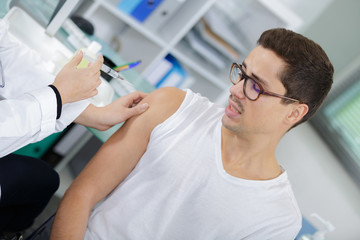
(120,154)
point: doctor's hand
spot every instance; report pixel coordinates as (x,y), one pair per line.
(125,107)
(77,84)
(103,118)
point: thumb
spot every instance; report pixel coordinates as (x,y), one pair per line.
(138,109)
(76,59)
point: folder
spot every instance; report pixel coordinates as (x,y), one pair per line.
(204,50)
(162,14)
(175,76)
(159,71)
(221,27)
(144,9)
(216,41)
(127,6)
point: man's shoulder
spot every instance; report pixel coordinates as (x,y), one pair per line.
(163,102)
(169,96)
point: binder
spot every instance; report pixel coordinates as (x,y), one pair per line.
(216,41)
(162,14)
(159,71)
(188,82)
(220,27)
(144,9)
(204,50)
(175,76)
(127,6)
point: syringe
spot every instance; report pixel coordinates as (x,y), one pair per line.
(106,69)
(122,83)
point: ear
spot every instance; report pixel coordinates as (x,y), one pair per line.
(297,113)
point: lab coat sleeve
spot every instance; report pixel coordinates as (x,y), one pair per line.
(69,113)
(28,105)
(26,119)
(32,117)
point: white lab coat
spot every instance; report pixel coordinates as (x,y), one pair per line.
(27,105)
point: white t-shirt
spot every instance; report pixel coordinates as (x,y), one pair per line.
(180,190)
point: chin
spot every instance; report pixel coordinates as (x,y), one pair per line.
(230,125)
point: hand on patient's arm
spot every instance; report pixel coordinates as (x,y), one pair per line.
(111,165)
(77,84)
(102,118)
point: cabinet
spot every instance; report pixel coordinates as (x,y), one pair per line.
(134,41)
(138,42)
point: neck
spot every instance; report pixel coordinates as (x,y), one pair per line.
(250,158)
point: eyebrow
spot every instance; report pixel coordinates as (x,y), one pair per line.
(256,77)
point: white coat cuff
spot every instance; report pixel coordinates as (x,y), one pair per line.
(47,100)
(70,112)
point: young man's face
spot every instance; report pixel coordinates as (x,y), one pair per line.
(267,113)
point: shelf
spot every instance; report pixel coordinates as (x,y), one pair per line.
(139,42)
(173,31)
(218,77)
(151,46)
(110,5)
(130,43)
(182,22)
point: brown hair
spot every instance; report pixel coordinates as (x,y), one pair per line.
(308,74)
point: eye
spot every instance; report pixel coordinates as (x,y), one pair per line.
(255,87)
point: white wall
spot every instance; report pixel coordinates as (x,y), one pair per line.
(337,31)
(308,10)
(320,182)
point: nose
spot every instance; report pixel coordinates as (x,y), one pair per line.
(237,90)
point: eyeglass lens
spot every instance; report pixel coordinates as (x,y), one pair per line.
(251,88)
(236,75)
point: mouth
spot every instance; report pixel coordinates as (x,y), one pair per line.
(235,104)
(234,108)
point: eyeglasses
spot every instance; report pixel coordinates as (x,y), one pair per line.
(252,89)
(2,77)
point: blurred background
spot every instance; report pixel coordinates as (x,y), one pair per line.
(191,44)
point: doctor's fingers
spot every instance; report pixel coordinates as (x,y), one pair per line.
(92,81)
(139,95)
(93,93)
(98,82)
(135,97)
(96,66)
(75,60)
(97,79)
(87,74)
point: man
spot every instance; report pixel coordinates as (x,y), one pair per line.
(33,105)
(186,170)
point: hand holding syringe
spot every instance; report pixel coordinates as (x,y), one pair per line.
(126,85)
(106,69)
(114,71)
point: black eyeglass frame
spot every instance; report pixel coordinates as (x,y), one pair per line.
(262,90)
